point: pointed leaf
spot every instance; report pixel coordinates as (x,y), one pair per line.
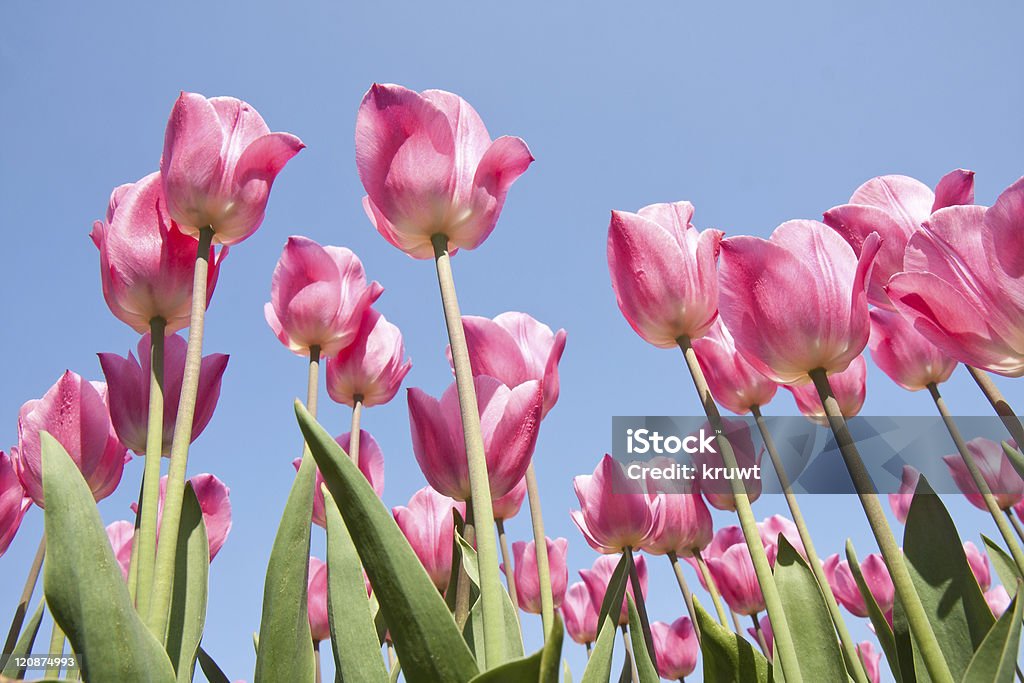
(878,620)
(611,605)
(644,664)
(996,659)
(566,672)
(1015,457)
(188,597)
(24,644)
(1004,565)
(211,670)
(626,672)
(599,666)
(473,630)
(911,665)
(727,656)
(540,667)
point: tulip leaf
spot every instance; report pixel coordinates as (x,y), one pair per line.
(644,659)
(996,658)
(566,672)
(881,625)
(599,666)
(188,597)
(626,672)
(353,634)
(85,590)
(473,632)
(425,635)
(540,667)
(395,671)
(911,665)
(285,649)
(1004,565)
(611,604)
(211,670)
(24,644)
(726,655)
(1016,459)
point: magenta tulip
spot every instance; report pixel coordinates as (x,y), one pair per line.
(998,600)
(371,368)
(848,386)
(675,648)
(215,502)
(508,505)
(663,272)
(734,382)
(724,538)
(429,167)
(796,302)
(771,528)
(527,578)
(600,574)
(871,659)
(1006,485)
(580,614)
(680,521)
(844,587)
(765,624)
(13,502)
(733,572)
(615,511)
(219,162)
(316,600)
(128,382)
(121,535)
(900,502)
(371,464)
(719,493)
(429,526)
(979,565)
(903,354)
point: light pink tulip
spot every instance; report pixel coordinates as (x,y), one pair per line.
(734,382)
(215,502)
(1006,485)
(600,574)
(515,348)
(527,578)
(13,502)
(146,263)
(509,419)
(894,206)
(770,528)
(681,522)
(371,367)
(765,624)
(508,505)
(121,535)
(998,600)
(876,575)
(371,464)
(128,391)
(871,658)
(979,565)
(848,386)
(675,648)
(316,600)
(663,272)
(719,492)
(724,538)
(904,355)
(429,167)
(74,412)
(615,511)
(429,526)
(900,502)
(220,160)
(580,614)
(733,572)
(796,302)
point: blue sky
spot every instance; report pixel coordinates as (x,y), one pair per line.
(756,114)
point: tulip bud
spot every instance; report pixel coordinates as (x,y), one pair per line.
(508,505)
(900,502)
(675,648)
(13,502)
(214,502)
(316,600)
(719,493)
(844,586)
(598,577)
(680,520)
(121,535)
(848,387)
(1006,485)
(979,565)
(998,600)
(734,382)
(527,577)
(614,510)
(429,526)
(371,366)
(771,528)
(371,464)
(902,353)
(580,614)
(871,659)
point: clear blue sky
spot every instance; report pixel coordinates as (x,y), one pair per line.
(755,113)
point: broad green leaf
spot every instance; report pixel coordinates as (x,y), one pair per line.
(85,590)
(878,620)
(1004,565)
(211,670)
(426,639)
(24,644)
(188,597)
(540,667)
(353,634)
(911,665)
(599,666)
(727,656)
(473,632)
(285,651)
(611,604)
(996,658)
(644,664)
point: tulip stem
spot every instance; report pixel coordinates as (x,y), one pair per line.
(641,605)
(56,651)
(1016,523)
(316,659)
(630,658)
(761,640)
(480,490)
(163,578)
(685,590)
(773,602)
(510,569)
(392,659)
(354,432)
(736,621)
(853,662)
(149,501)
(26,596)
(709,581)
(931,652)
(999,404)
(540,542)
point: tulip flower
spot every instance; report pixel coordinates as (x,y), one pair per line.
(429,167)
(680,520)
(121,535)
(215,503)
(146,262)
(871,659)
(429,526)
(316,600)
(844,587)
(733,572)
(900,502)
(13,502)
(580,614)
(734,382)
(128,381)
(719,493)
(371,464)
(371,368)
(848,386)
(615,512)
(1006,485)
(979,565)
(75,413)
(724,538)
(600,574)
(318,297)
(219,162)
(508,505)
(902,353)
(663,272)
(527,578)
(894,206)
(765,625)
(796,302)
(509,419)
(771,528)
(675,648)
(998,600)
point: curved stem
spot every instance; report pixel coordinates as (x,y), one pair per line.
(354,433)
(761,640)
(641,605)
(712,587)
(26,596)
(917,618)
(149,502)
(685,590)
(510,569)
(999,404)
(630,658)
(547,601)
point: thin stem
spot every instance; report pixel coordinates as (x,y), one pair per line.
(392,659)
(1016,523)
(685,590)
(547,601)
(316,659)
(709,582)
(999,404)
(149,503)
(487,547)
(462,588)
(736,621)
(641,605)
(26,596)
(510,568)
(783,641)
(163,578)
(589,647)
(761,640)
(56,650)
(931,652)
(630,658)
(354,433)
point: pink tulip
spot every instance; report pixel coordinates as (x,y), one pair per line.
(515,348)
(1006,485)
(998,600)
(894,206)
(75,413)
(371,367)
(900,502)
(1018,509)
(429,167)
(871,659)
(724,538)
(734,382)
(844,587)
(580,614)
(128,389)
(13,502)
(904,355)
(979,565)
(220,160)
(318,297)
(681,522)
(848,386)
(146,262)
(765,624)
(215,503)
(371,464)
(675,648)
(429,526)
(796,302)
(719,492)
(509,419)
(663,272)
(600,574)
(527,579)
(508,505)
(614,510)
(316,600)
(733,572)
(770,528)
(121,535)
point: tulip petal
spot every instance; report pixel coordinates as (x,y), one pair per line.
(956,187)
(907,200)
(505,160)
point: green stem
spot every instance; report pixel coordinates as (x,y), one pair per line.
(630,658)
(1016,523)
(547,601)
(590,647)
(510,568)
(163,578)
(26,596)
(709,581)
(922,631)
(761,640)
(316,659)
(392,659)
(999,404)
(685,590)
(736,621)
(357,414)
(783,641)
(641,605)
(133,561)
(853,662)
(56,651)
(150,499)
(487,547)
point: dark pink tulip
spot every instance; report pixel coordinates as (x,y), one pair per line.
(429,526)
(998,600)
(527,578)
(122,536)
(215,503)
(719,493)
(508,505)
(681,522)
(904,354)
(734,575)
(979,565)
(371,367)
(1007,486)
(663,272)
(675,648)
(615,512)
(734,382)
(74,412)
(128,391)
(600,574)
(13,502)
(871,658)
(509,419)
(371,464)
(580,614)
(220,160)
(894,206)
(770,528)
(146,262)
(876,575)
(318,296)
(796,302)
(900,502)
(316,600)
(848,386)
(429,166)
(515,348)
(765,624)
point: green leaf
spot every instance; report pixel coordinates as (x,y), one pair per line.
(1016,459)
(911,665)
(996,658)
(566,672)
(599,666)
(285,651)
(644,664)
(1004,565)
(211,670)
(881,625)
(188,597)
(727,656)
(84,587)
(473,632)
(540,667)
(626,672)
(395,671)
(611,604)
(353,634)
(426,638)
(24,644)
